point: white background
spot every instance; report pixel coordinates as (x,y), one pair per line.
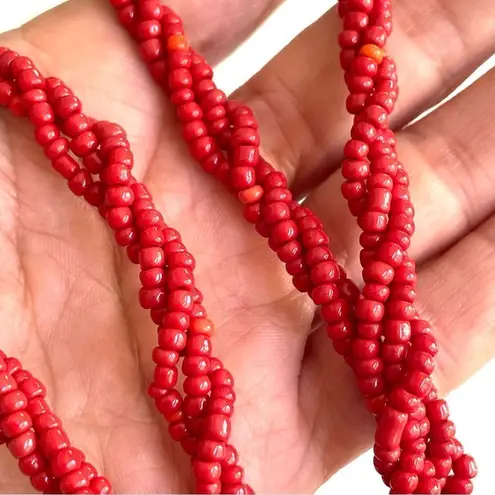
(471,405)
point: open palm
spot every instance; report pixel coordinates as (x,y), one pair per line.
(68,301)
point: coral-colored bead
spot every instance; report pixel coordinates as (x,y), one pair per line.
(372,51)
(177,42)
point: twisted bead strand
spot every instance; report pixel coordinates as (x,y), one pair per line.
(390,350)
(387,183)
(104,149)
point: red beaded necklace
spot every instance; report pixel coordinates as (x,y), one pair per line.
(376,330)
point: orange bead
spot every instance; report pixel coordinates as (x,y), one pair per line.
(202,326)
(251,195)
(374,52)
(177,42)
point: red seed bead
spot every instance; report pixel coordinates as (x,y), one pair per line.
(403,400)
(207,472)
(417,383)
(32,464)
(378,272)
(412,462)
(339,331)
(22,445)
(356,150)
(391,254)
(65,461)
(457,485)
(210,450)
(53,440)
(376,292)
(412,431)
(390,427)
(217,428)
(442,450)
(438,410)
(424,343)
(197,386)
(74,481)
(12,402)
(365,349)
(324,273)
(369,311)
(373,222)
(465,467)
(44,482)
(172,339)
(403,482)
(397,331)
(336,311)
(442,431)
(100,485)
(15,424)
(390,456)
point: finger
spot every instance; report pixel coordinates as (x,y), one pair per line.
(449,158)
(299,96)
(455,293)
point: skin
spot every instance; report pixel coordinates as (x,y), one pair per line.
(68,301)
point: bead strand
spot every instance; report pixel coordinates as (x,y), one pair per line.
(399,227)
(383,155)
(103,147)
(38,439)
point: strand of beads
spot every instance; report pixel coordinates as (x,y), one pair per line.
(376,364)
(35,436)
(201,421)
(386,216)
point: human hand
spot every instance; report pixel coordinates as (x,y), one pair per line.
(68,298)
